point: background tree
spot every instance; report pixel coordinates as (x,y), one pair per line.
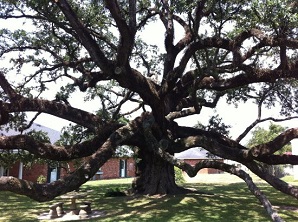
(261,135)
(233,51)
(10,157)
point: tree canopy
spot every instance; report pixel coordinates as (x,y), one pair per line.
(233,51)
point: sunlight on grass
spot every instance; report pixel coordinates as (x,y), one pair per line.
(188,200)
(290,179)
(216,202)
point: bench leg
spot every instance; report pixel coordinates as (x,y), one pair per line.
(83,212)
(53,212)
(59,209)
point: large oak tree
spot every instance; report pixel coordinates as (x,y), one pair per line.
(211,51)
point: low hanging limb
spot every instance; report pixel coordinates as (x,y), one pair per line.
(47,192)
(235,171)
(192,171)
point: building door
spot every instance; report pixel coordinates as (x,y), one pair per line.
(123,167)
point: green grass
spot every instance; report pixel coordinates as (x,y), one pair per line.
(223,201)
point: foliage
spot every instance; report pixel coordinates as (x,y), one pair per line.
(41,179)
(215,124)
(7,159)
(261,135)
(124,151)
(73,134)
(116,192)
(179,178)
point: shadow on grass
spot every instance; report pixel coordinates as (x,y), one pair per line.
(232,202)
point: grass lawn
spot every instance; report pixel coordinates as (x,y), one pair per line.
(227,200)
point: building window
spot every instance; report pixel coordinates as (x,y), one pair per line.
(53,173)
(3,171)
(123,168)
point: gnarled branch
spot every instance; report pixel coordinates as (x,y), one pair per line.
(46,192)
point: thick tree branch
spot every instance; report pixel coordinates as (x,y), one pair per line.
(249,75)
(275,144)
(230,149)
(188,36)
(12,94)
(278,159)
(199,13)
(85,37)
(272,180)
(55,152)
(22,104)
(182,113)
(159,149)
(191,137)
(57,109)
(133,15)
(127,33)
(256,122)
(46,192)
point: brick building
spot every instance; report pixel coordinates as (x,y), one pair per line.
(114,168)
(117,167)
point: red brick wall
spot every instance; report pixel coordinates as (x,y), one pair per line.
(131,167)
(204,170)
(35,171)
(111,170)
(31,173)
(14,170)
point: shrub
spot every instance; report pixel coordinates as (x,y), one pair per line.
(116,192)
(41,179)
(179,175)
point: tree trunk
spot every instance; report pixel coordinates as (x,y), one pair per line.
(154,176)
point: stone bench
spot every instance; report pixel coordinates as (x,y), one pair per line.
(89,206)
(83,211)
(59,209)
(56,210)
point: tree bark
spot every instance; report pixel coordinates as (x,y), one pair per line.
(154,176)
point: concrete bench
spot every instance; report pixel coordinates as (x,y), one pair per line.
(83,211)
(59,209)
(89,206)
(56,210)
(53,211)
